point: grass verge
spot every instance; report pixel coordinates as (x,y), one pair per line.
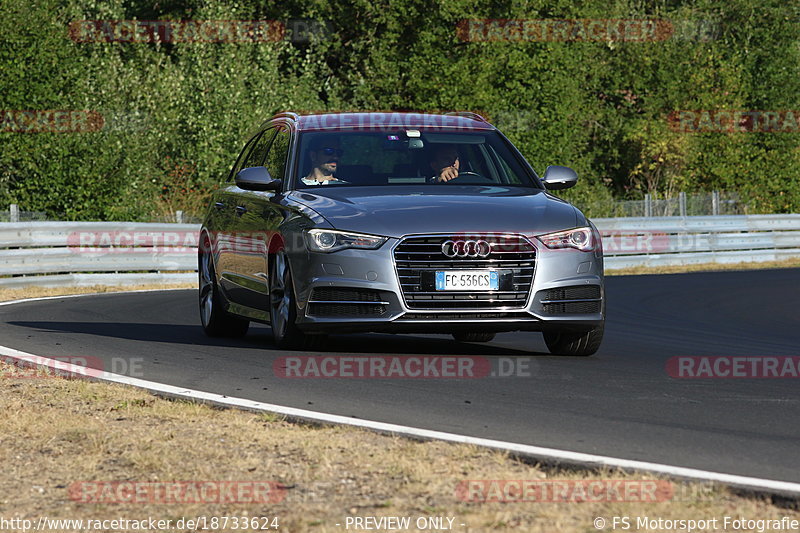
(58,432)
(41,292)
(704,267)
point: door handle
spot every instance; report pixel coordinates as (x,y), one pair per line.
(241,210)
(219,206)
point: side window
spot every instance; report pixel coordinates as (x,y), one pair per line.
(259,152)
(508,173)
(242,155)
(278,154)
(477,161)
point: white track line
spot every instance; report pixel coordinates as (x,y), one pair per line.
(535,452)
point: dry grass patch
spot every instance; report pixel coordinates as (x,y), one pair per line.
(705,267)
(55,432)
(40,292)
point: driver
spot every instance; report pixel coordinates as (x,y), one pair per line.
(324,153)
(444,163)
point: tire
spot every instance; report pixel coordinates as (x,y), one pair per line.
(473,336)
(571,342)
(215,321)
(283,308)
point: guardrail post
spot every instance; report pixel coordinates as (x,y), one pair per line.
(14,213)
(715,203)
(648,205)
(179,217)
(682,203)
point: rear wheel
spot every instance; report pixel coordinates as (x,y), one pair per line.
(216,322)
(473,336)
(283,308)
(571,342)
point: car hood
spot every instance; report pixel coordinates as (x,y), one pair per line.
(395,211)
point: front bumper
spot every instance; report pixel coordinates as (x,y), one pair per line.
(372,298)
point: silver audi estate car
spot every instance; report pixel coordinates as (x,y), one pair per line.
(402,223)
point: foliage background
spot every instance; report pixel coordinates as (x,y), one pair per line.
(177,114)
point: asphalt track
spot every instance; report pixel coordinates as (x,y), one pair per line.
(619,403)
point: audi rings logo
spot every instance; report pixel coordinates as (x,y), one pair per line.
(466,248)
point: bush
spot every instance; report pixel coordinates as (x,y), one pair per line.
(600,107)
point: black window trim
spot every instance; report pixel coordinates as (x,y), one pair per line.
(248,147)
(279,128)
(265,131)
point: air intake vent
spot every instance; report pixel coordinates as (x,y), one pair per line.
(580,299)
(343,302)
(346,310)
(339,294)
(580,292)
(577,308)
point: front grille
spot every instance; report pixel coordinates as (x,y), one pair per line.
(342,302)
(580,299)
(418,259)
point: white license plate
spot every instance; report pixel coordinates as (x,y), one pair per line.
(467,280)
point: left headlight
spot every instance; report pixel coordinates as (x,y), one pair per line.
(327,240)
(579,238)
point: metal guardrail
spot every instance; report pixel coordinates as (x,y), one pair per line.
(54,254)
(50,254)
(676,241)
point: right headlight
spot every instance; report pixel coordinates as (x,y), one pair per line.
(579,238)
(328,240)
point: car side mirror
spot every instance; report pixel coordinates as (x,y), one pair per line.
(257,179)
(557,177)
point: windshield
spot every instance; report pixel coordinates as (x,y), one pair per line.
(407,157)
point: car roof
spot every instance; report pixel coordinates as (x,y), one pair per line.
(373,121)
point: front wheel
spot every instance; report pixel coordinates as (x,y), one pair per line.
(283,308)
(571,342)
(216,322)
